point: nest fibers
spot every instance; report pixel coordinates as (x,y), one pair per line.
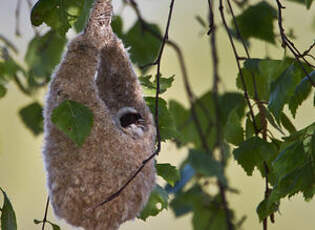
(122,136)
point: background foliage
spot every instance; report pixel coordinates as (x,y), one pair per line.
(253,126)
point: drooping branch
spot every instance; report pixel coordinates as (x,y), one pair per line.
(219,142)
(307,51)
(261,107)
(237,58)
(286,42)
(158,75)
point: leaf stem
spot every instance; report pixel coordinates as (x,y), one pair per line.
(45,214)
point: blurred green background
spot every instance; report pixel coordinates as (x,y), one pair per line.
(21,167)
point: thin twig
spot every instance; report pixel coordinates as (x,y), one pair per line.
(19,84)
(219,142)
(45,215)
(306,52)
(256,96)
(251,111)
(17,18)
(116,194)
(158,75)
(245,48)
(9,44)
(180,57)
(286,42)
(158,149)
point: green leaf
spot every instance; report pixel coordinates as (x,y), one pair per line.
(117,26)
(183,123)
(44,53)
(37,221)
(209,218)
(233,131)
(144,46)
(8,218)
(231,102)
(165,83)
(158,197)
(266,208)
(9,68)
(150,86)
(301,134)
(59,15)
(281,91)
(262,16)
(209,213)
(32,116)
(168,172)
(205,165)
(287,124)
(74,119)
(3,91)
(202,217)
(308,3)
(301,92)
(271,121)
(301,179)
(166,124)
(54,226)
(185,201)
(205,112)
(83,15)
(289,159)
(253,153)
(264,72)
(249,128)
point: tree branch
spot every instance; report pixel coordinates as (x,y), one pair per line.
(45,215)
(219,142)
(306,52)
(259,103)
(237,58)
(286,42)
